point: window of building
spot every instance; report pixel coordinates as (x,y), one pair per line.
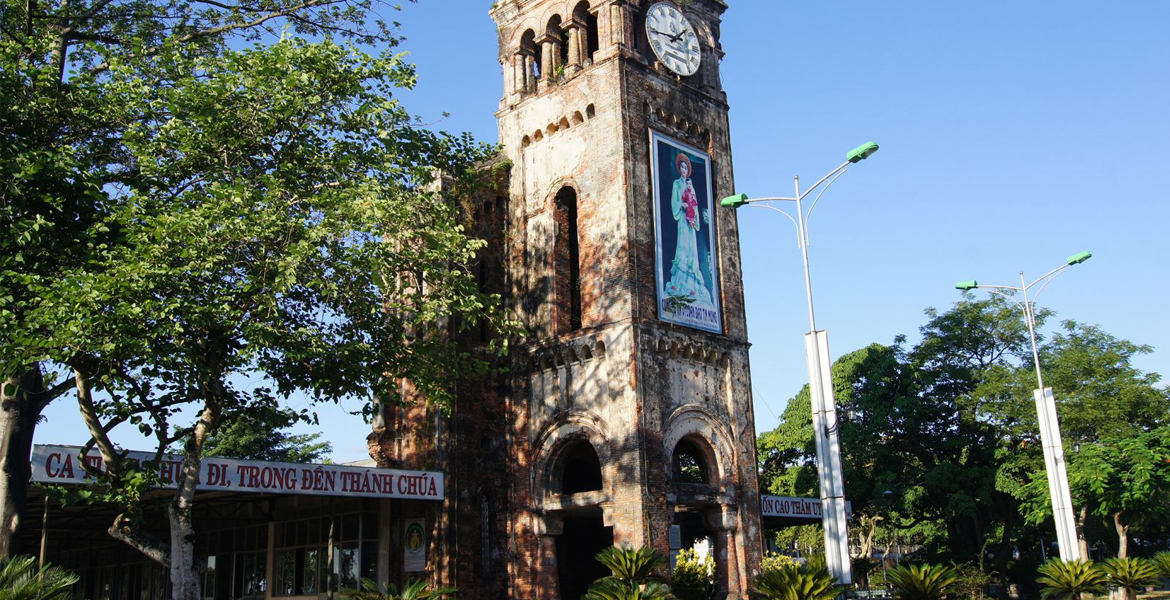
(567,267)
(690,464)
(581,471)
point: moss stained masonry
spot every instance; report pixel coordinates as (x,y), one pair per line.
(582,91)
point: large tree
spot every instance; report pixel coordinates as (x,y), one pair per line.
(66,170)
(949,427)
(1106,405)
(270,211)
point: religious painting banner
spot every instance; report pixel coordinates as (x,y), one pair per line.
(686,252)
(63,465)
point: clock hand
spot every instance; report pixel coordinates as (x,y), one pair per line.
(673,38)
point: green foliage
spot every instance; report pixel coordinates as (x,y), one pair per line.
(922,582)
(971,583)
(795,582)
(633,575)
(413,590)
(949,428)
(1061,580)
(1130,574)
(772,561)
(262,435)
(1161,562)
(693,579)
(190,200)
(20,579)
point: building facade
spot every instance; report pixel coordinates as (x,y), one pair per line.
(626,415)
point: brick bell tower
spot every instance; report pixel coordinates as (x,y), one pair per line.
(626,415)
(629,408)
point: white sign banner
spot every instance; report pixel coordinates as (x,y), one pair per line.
(414,546)
(63,465)
(798,508)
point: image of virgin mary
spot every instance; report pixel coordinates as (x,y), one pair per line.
(686,277)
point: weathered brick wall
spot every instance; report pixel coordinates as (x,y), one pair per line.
(629,385)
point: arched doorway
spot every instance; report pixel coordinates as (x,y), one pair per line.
(578,482)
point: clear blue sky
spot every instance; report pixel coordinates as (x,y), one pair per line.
(1013,135)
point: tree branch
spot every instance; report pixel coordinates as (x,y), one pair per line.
(213,31)
(89,414)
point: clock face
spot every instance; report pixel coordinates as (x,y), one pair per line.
(673,39)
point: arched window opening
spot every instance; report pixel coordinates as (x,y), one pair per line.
(590,43)
(641,44)
(690,463)
(532,60)
(559,55)
(581,470)
(567,268)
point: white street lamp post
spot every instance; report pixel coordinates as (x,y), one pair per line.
(824,406)
(1050,439)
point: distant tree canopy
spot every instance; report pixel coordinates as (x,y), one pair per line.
(940,441)
(265,436)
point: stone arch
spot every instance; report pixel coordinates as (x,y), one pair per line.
(590,111)
(577,118)
(559,442)
(707,436)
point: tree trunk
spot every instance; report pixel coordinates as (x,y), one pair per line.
(1122,535)
(21,402)
(1002,554)
(1082,541)
(185,573)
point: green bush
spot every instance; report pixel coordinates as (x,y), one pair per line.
(772,561)
(633,575)
(795,582)
(1060,580)
(413,590)
(1161,562)
(693,579)
(1130,574)
(20,579)
(971,583)
(922,582)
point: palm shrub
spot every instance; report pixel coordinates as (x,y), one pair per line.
(795,582)
(693,579)
(20,579)
(922,582)
(633,575)
(1130,574)
(1161,562)
(1068,580)
(413,590)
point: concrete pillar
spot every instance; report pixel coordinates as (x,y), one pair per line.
(723,522)
(529,70)
(611,27)
(575,35)
(519,79)
(547,52)
(548,580)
